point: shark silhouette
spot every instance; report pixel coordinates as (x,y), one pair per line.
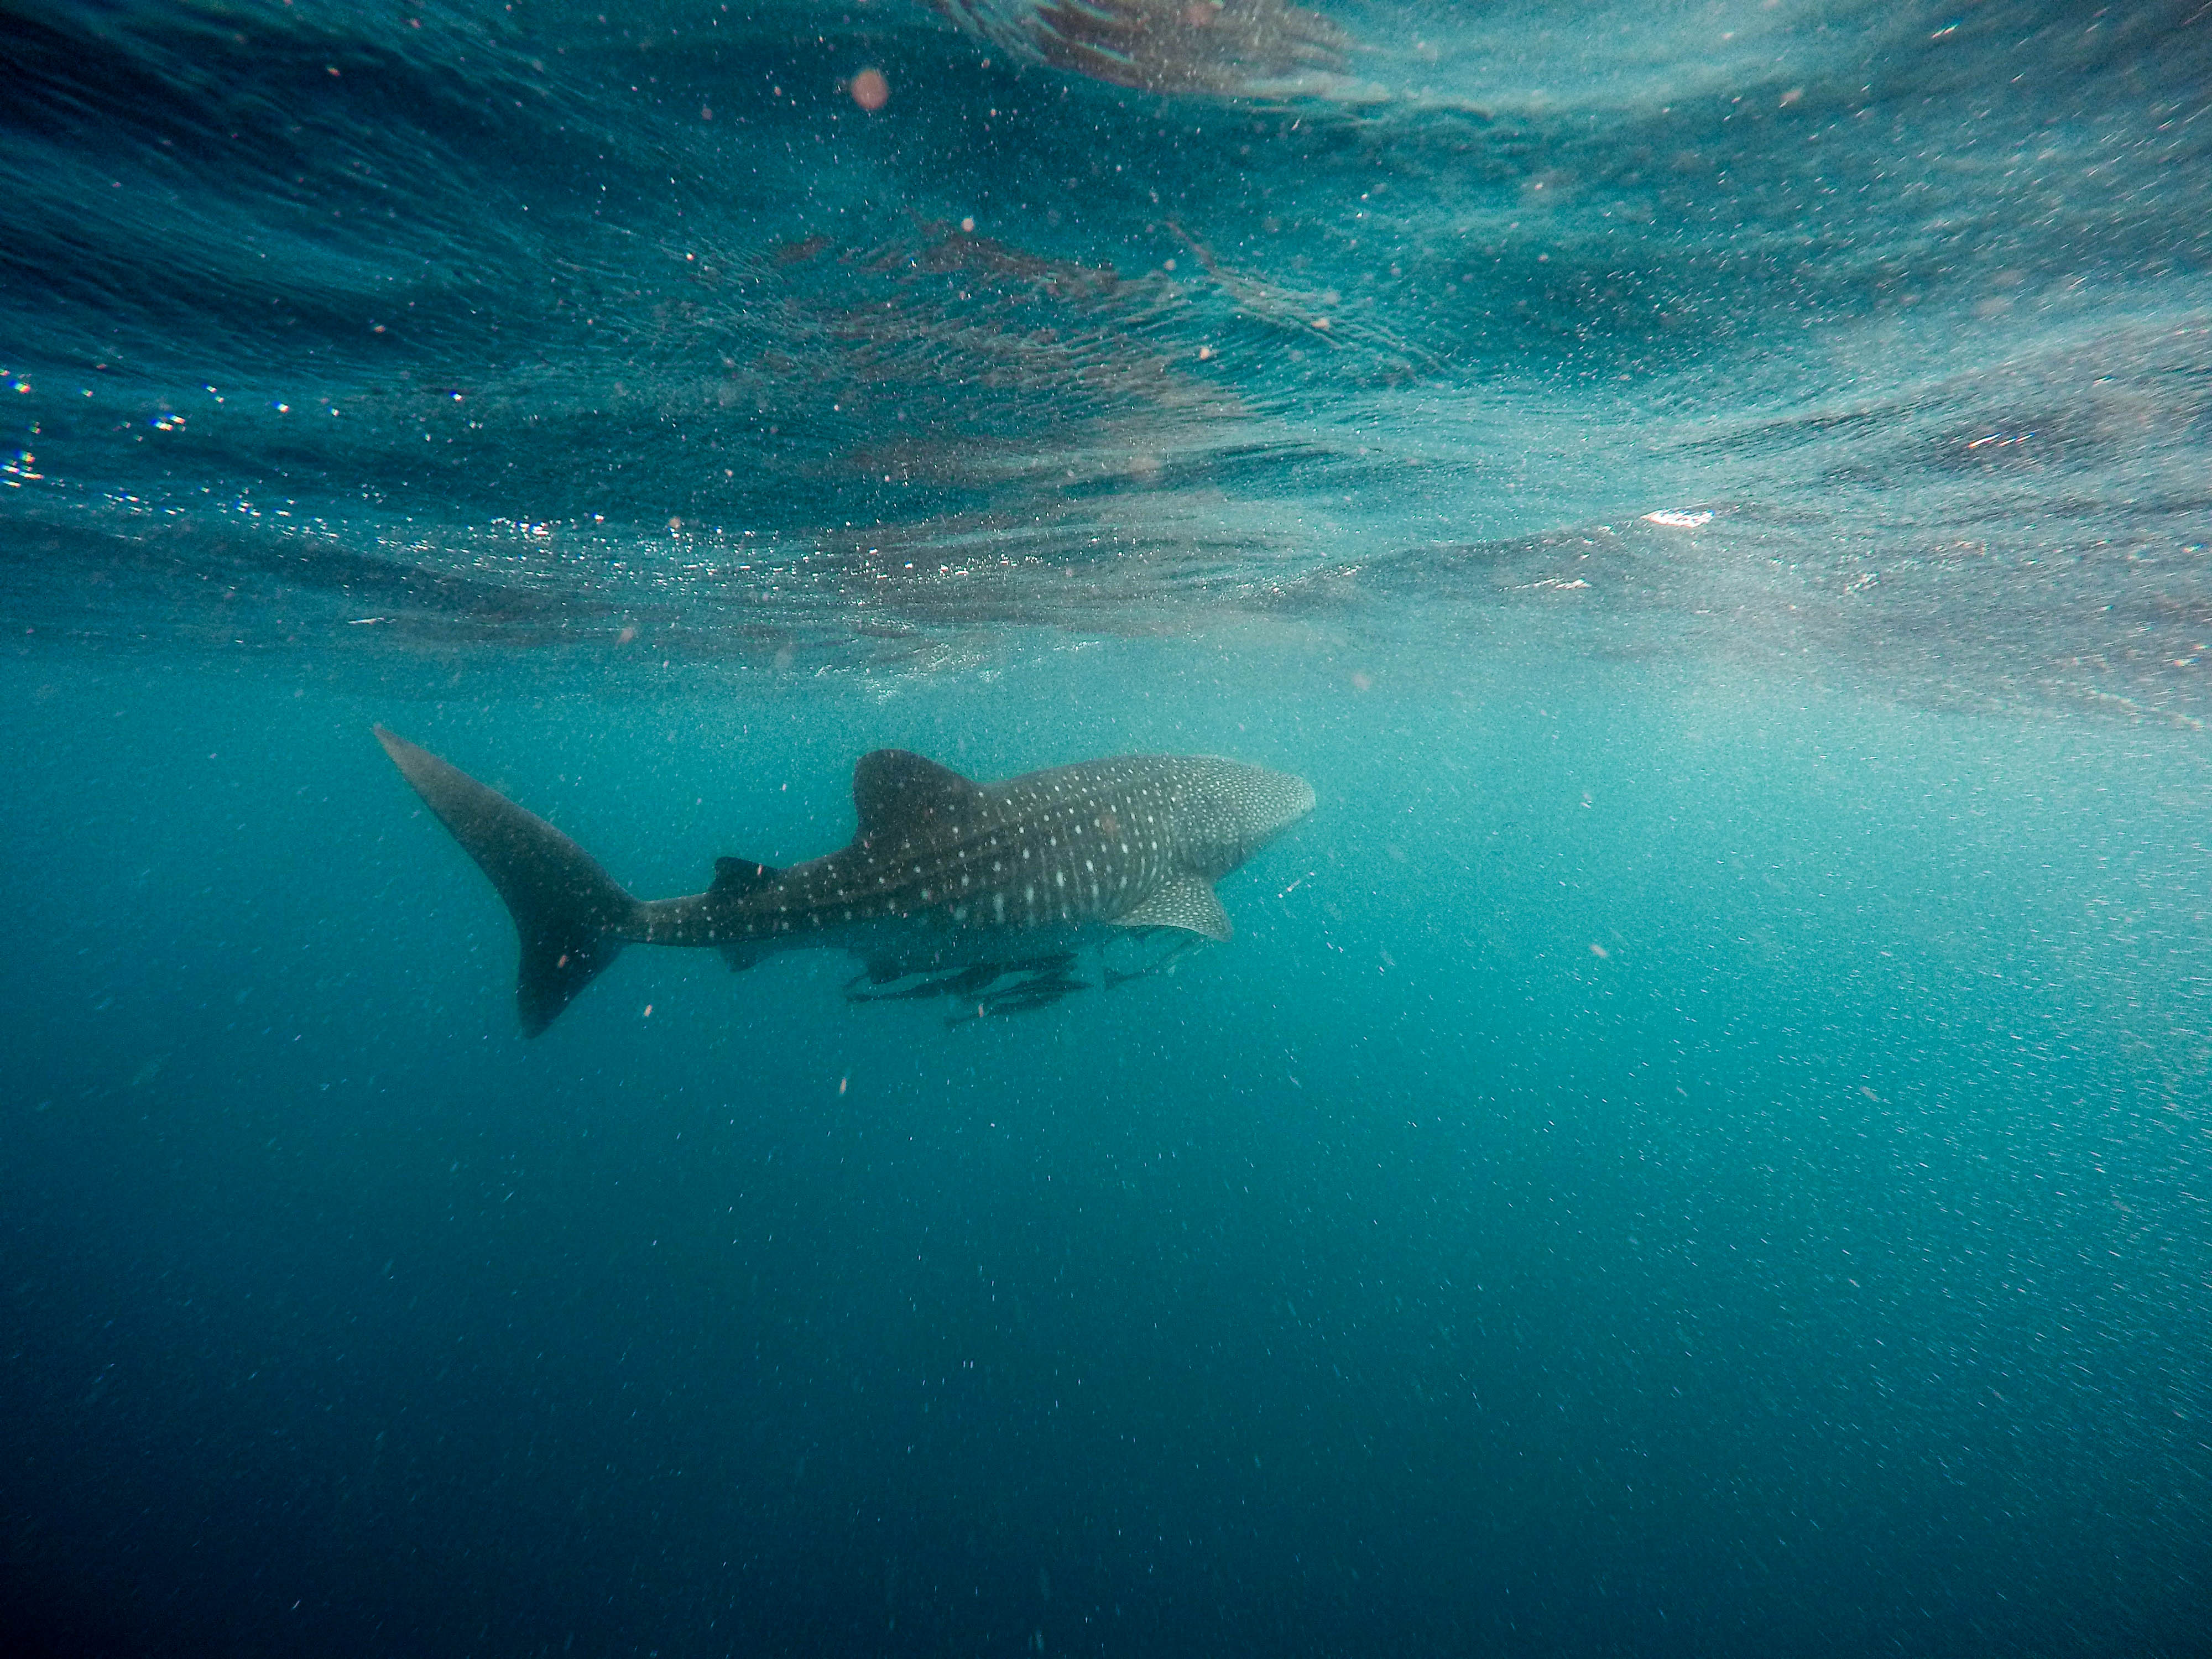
(979,885)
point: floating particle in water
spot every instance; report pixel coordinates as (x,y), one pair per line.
(870,90)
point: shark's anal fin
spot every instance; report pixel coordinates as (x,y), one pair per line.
(1188,902)
(899,794)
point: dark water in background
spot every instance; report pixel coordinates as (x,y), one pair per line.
(1699,1145)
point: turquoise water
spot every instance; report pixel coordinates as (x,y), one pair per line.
(1699,1143)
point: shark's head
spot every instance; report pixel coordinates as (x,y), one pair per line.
(1230,811)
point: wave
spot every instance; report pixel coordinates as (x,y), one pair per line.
(538,325)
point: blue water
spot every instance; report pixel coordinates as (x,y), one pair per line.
(1701,1143)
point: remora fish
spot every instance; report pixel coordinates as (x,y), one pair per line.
(943,871)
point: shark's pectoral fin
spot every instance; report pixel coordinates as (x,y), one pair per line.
(1189,904)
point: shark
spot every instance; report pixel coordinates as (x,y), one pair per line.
(981,890)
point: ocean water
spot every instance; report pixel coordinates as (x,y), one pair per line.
(1701,1143)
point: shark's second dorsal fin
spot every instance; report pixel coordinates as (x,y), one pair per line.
(735,878)
(1189,904)
(898,793)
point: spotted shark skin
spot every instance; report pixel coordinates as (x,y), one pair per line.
(943,872)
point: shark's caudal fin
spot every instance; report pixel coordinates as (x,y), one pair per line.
(569,915)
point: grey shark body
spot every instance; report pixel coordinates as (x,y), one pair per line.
(944,874)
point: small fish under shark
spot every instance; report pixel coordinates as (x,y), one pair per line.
(982,890)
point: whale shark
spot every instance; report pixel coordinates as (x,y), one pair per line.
(983,892)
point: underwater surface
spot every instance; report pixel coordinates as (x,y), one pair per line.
(1700,1143)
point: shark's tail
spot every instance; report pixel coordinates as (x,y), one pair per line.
(569,915)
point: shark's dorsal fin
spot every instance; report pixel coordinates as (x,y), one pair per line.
(898,793)
(1189,904)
